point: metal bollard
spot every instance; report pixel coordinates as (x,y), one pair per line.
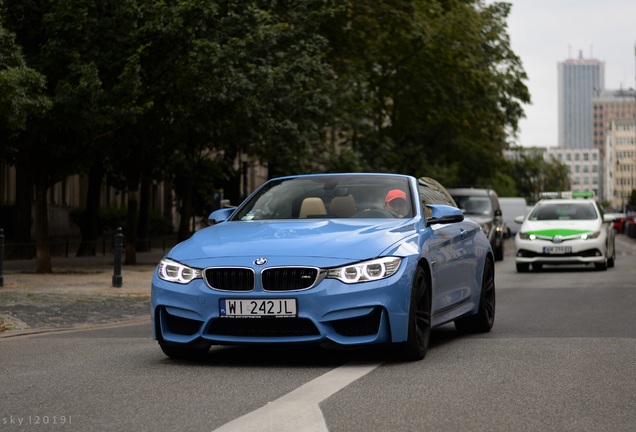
(119,242)
(1,257)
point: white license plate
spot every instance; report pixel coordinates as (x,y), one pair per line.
(556,250)
(258,308)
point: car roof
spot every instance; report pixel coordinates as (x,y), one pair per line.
(345,174)
(469,191)
(566,201)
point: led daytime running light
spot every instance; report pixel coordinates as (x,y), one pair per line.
(590,236)
(173,271)
(366,271)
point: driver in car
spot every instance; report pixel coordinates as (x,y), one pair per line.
(395,202)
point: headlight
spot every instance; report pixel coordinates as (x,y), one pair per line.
(589,236)
(524,236)
(173,271)
(366,271)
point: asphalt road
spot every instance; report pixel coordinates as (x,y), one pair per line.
(561,357)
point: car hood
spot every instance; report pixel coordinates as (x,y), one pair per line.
(331,241)
(560,227)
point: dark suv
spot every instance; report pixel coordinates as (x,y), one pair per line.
(482,205)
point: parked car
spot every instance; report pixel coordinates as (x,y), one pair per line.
(321,259)
(565,231)
(629,225)
(511,207)
(618,221)
(483,206)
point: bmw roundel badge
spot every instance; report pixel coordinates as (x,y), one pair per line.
(260,261)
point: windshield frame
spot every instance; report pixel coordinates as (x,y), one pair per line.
(281,198)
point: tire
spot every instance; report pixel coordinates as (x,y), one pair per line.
(419,326)
(523,267)
(483,321)
(612,260)
(499,252)
(184,352)
(601,266)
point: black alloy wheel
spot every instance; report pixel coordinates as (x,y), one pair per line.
(419,327)
(483,321)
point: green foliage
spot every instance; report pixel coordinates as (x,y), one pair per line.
(21,87)
(428,86)
(533,175)
(178,90)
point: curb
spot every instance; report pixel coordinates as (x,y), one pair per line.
(7,334)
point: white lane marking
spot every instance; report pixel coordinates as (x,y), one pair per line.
(298,411)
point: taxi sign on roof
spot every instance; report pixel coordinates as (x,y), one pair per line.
(568,194)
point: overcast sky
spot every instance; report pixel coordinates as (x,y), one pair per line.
(545,32)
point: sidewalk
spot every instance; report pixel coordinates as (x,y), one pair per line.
(79,293)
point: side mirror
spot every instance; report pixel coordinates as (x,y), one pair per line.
(443,214)
(610,218)
(219,216)
(519,219)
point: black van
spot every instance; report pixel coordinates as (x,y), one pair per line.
(482,205)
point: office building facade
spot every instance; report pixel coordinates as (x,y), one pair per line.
(611,105)
(579,80)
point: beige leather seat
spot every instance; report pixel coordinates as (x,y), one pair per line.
(344,206)
(312,207)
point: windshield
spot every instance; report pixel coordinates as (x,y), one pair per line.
(330,196)
(474,205)
(554,211)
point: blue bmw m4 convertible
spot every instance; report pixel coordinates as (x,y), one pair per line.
(340,260)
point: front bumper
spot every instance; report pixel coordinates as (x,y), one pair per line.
(582,251)
(329,313)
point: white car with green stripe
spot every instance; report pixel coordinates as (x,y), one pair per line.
(564,231)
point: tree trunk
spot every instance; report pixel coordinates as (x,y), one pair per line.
(143,226)
(23,221)
(186,210)
(89,226)
(42,249)
(131,234)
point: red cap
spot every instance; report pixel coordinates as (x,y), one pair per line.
(393,194)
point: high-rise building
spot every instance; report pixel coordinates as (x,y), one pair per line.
(610,105)
(579,81)
(620,161)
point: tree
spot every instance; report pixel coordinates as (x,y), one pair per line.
(438,87)
(23,96)
(534,175)
(65,41)
(228,79)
